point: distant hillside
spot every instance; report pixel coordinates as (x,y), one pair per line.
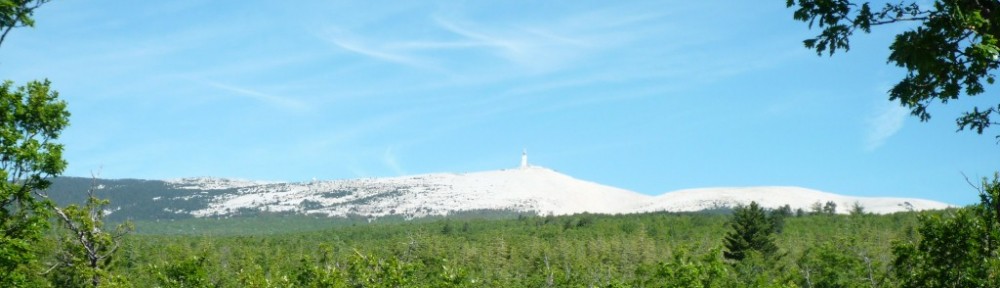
(772,197)
(133,198)
(528,189)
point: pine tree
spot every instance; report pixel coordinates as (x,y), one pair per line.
(830,208)
(752,230)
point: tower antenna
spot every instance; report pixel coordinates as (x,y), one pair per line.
(524,159)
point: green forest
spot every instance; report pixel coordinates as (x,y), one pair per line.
(929,249)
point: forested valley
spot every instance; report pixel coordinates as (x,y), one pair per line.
(814,249)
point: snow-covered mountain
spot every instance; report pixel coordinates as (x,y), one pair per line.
(526,189)
(776,196)
(531,188)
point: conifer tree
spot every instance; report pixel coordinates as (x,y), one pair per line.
(752,230)
(830,208)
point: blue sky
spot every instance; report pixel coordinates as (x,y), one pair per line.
(650,96)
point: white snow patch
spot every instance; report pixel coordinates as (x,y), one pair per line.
(530,189)
(212,183)
(774,197)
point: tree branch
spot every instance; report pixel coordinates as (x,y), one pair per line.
(4,35)
(895,20)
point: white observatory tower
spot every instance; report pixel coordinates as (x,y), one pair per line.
(524,159)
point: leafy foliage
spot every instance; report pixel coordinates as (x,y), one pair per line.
(840,262)
(189,272)
(87,248)
(17,13)
(956,249)
(640,250)
(951,53)
(31,119)
(685,271)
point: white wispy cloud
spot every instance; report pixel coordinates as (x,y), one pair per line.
(538,47)
(434,45)
(390,160)
(525,45)
(376,53)
(480,36)
(285,102)
(885,123)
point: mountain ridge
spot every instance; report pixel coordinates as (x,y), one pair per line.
(528,189)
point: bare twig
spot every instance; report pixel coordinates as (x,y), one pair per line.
(980,189)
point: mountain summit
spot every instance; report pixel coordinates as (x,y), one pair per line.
(526,189)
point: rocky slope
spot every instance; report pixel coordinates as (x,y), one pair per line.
(529,189)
